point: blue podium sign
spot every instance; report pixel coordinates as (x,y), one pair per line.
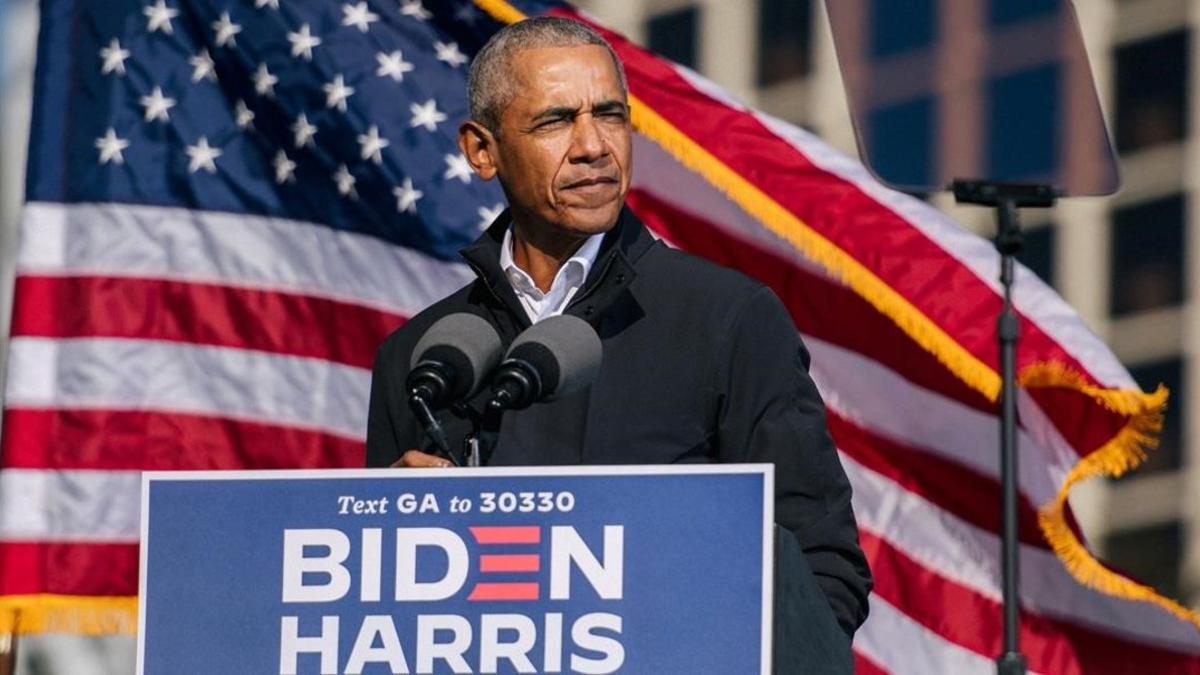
(640,569)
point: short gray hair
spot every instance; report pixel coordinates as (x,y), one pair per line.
(489,85)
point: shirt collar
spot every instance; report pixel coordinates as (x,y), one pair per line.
(583,259)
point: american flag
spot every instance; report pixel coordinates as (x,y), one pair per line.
(230,203)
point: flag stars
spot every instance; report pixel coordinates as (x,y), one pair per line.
(358,16)
(449,53)
(225,30)
(303,42)
(110,147)
(158,17)
(114,58)
(157,105)
(415,9)
(203,67)
(373,145)
(345,182)
(303,131)
(407,197)
(457,167)
(285,168)
(487,216)
(264,81)
(203,156)
(273,4)
(244,116)
(336,93)
(393,65)
(426,115)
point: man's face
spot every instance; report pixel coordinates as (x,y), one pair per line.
(563,151)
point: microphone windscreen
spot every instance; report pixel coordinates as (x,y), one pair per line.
(467,343)
(566,351)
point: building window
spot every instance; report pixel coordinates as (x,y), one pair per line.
(1038,252)
(1007,12)
(900,27)
(1149,554)
(673,35)
(1147,251)
(1022,120)
(900,143)
(784,40)
(1152,98)
(1169,453)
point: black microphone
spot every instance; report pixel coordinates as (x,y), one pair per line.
(448,365)
(452,359)
(552,357)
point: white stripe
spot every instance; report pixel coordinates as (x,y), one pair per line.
(956,550)
(874,397)
(127,374)
(82,506)
(1032,297)
(905,646)
(271,254)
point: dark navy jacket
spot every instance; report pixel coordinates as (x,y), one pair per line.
(701,364)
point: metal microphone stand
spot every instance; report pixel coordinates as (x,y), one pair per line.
(1007,198)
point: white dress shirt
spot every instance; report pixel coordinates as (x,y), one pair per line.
(567,282)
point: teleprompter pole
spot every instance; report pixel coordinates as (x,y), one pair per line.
(1008,199)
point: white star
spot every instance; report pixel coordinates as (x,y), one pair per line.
(392,65)
(345,182)
(407,197)
(226,29)
(415,9)
(373,145)
(303,42)
(488,216)
(264,81)
(110,147)
(114,58)
(202,156)
(358,16)
(426,115)
(284,168)
(337,92)
(259,4)
(244,116)
(448,52)
(203,66)
(303,131)
(157,105)
(457,168)
(159,16)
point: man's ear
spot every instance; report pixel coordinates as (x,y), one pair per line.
(478,145)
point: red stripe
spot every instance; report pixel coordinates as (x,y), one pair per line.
(158,441)
(68,568)
(966,493)
(158,309)
(504,592)
(865,666)
(509,563)
(501,534)
(944,290)
(963,616)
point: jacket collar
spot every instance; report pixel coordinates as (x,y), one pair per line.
(612,272)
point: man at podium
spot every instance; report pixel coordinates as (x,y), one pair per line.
(701,364)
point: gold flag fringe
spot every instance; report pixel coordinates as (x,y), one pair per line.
(73,614)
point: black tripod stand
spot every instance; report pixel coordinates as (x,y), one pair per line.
(1007,199)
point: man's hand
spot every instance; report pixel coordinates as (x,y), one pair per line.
(415,459)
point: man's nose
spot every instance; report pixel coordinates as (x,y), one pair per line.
(587,143)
